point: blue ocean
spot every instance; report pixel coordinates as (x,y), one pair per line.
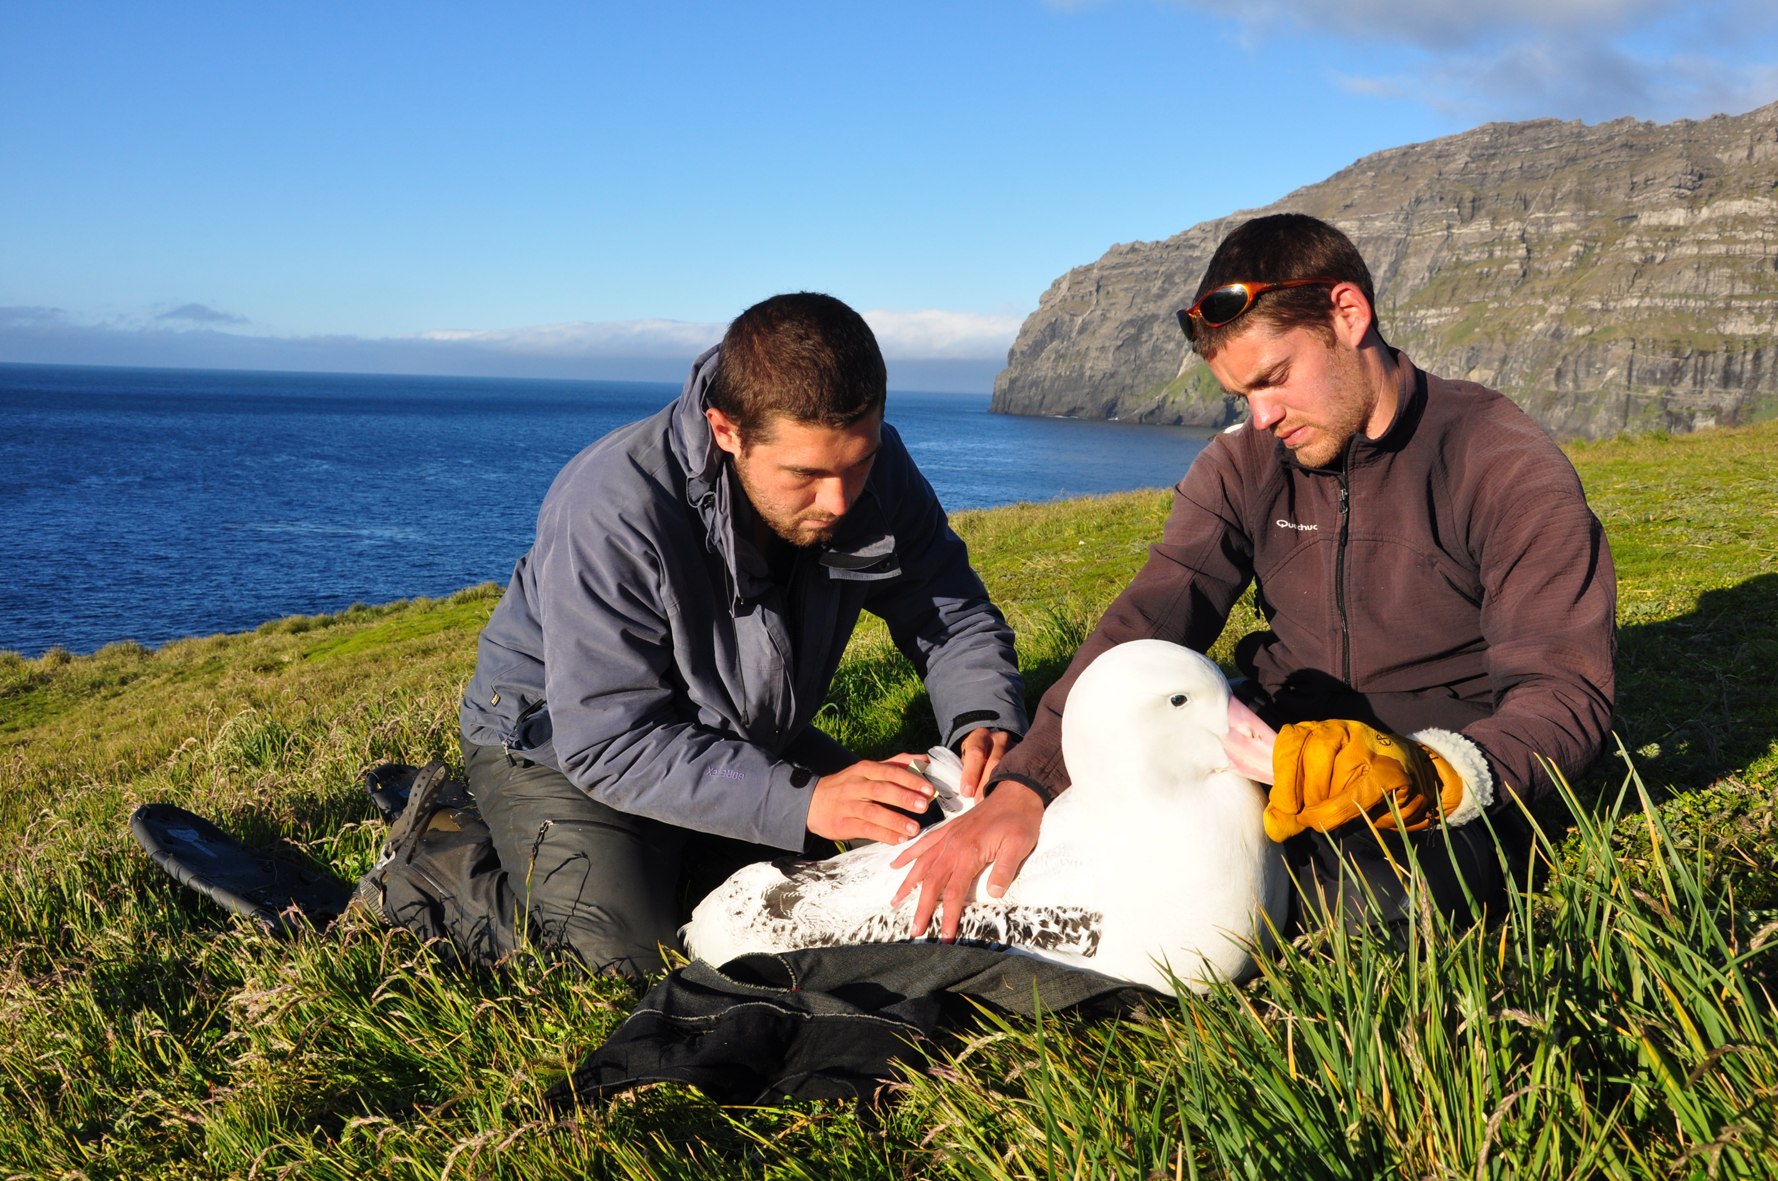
(152,504)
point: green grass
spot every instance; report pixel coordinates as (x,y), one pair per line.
(1619,1023)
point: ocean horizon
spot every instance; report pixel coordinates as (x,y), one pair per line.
(150,505)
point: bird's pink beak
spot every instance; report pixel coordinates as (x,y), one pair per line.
(1249,742)
(1244,720)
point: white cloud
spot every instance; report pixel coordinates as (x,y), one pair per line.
(1444,24)
(31,317)
(928,334)
(199,313)
(619,338)
(927,349)
(1518,59)
(939,335)
(1574,80)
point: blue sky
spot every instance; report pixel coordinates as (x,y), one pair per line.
(594,189)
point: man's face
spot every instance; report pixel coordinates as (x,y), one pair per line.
(801,478)
(1310,393)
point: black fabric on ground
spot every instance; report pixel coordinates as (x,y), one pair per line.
(283,890)
(822,1023)
(1357,878)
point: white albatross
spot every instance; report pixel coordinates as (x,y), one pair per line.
(1153,865)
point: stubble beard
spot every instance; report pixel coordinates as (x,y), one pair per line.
(1347,410)
(1318,452)
(804,532)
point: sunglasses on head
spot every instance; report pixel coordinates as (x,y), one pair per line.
(1226,304)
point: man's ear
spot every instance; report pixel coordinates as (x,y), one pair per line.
(1352,314)
(725,430)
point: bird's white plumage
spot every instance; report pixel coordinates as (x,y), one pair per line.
(1154,864)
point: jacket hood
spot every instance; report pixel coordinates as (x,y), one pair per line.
(693,445)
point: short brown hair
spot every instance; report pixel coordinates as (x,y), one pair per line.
(805,356)
(1270,250)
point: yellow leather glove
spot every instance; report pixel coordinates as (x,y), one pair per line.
(1326,774)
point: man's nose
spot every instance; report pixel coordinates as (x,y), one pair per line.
(1266,413)
(833,498)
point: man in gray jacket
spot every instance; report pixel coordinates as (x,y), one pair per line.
(638,724)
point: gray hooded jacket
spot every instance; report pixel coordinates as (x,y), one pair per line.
(642,649)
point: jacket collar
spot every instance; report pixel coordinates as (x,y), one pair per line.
(1410,408)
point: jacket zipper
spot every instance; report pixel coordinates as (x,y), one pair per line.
(1340,575)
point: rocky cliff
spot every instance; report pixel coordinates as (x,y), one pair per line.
(1619,277)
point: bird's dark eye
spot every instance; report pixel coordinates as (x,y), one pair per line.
(1177,699)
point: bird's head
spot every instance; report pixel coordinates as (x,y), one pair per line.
(1150,712)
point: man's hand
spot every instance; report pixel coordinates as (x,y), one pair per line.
(860,802)
(982,751)
(1330,773)
(999,832)
(1249,742)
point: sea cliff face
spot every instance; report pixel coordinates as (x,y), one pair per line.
(1614,278)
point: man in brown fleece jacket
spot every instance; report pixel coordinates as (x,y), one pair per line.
(1440,603)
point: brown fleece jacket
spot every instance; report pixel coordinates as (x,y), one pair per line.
(1448,574)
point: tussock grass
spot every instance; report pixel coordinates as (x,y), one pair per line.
(1619,1022)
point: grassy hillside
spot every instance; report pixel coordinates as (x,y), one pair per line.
(1619,1024)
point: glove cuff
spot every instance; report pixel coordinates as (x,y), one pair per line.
(1467,760)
